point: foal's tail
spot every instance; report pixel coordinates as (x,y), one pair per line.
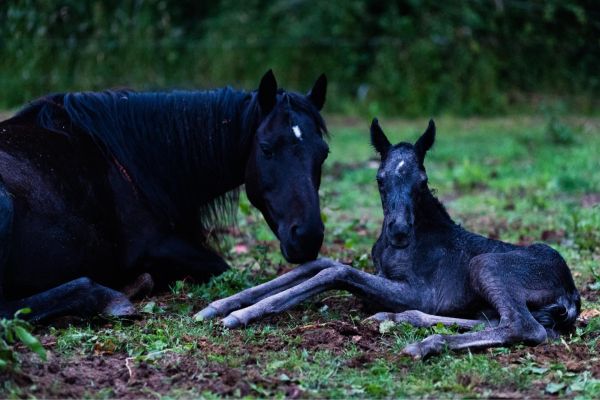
(560,316)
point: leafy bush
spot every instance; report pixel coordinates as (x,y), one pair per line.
(402,57)
(13,331)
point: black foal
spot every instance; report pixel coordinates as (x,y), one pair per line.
(430,270)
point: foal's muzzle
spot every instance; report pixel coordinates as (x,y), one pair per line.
(399,235)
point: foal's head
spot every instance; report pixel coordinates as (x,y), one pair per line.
(402,181)
(283,172)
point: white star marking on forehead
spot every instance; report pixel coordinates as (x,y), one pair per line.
(297,132)
(400,165)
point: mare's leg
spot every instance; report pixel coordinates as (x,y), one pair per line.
(423,320)
(175,259)
(78,297)
(81,297)
(139,288)
(508,282)
(254,294)
(394,295)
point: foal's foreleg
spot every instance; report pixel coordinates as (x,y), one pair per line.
(395,295)
(254,294)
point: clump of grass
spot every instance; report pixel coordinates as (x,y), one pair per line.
(12,332)
(558,131)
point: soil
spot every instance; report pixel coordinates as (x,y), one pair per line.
(121,376)
(78,376)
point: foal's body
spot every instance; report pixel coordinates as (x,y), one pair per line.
(430,270)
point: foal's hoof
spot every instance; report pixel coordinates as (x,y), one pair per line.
(206,313)
(429,346)
(120,307)
(380,317)
(413,350)
(231,322)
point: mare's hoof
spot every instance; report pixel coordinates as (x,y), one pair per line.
(231,322)
(120,307)
(206,313)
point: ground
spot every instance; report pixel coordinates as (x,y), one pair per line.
(520,179)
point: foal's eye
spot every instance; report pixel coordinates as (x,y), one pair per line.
(266,149)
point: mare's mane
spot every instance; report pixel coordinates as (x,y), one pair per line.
(166,140)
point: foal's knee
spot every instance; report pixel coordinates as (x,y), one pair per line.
(529,332)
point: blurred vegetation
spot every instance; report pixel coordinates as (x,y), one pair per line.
(13,332)
(411,57)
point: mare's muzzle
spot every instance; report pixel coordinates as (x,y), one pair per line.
(301,241)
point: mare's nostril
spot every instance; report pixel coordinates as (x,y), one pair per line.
(294,231)
(306,235)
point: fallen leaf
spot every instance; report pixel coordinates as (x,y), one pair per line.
(240,249)
(588,314)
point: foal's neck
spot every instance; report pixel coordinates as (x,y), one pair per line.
(430,214)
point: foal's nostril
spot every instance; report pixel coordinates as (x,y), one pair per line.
(399,234)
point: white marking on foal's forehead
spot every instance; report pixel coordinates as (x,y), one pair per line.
(400,165)
(297,131)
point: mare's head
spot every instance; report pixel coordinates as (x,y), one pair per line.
(402,181)
(283,173)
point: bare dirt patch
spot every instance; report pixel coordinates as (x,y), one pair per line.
(124,377)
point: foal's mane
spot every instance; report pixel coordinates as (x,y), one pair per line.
(165,140)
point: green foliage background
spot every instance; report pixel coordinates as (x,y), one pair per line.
(410,57)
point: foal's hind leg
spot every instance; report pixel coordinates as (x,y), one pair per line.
(422,320)
(503,280)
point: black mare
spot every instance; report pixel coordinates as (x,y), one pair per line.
(430,270)
(97,189)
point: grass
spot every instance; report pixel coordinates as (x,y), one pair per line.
(504,177)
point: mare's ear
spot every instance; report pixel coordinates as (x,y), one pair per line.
(267,92)
(425,142)
(378,139)
(318,92)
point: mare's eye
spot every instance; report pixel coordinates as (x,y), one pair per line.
(266,149)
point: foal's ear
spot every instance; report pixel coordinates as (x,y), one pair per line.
(317,94)
(378,139)
(425,142)
(267,92)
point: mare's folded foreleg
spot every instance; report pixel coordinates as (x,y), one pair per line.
(82,297)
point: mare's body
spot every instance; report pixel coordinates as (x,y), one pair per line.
(98,188)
